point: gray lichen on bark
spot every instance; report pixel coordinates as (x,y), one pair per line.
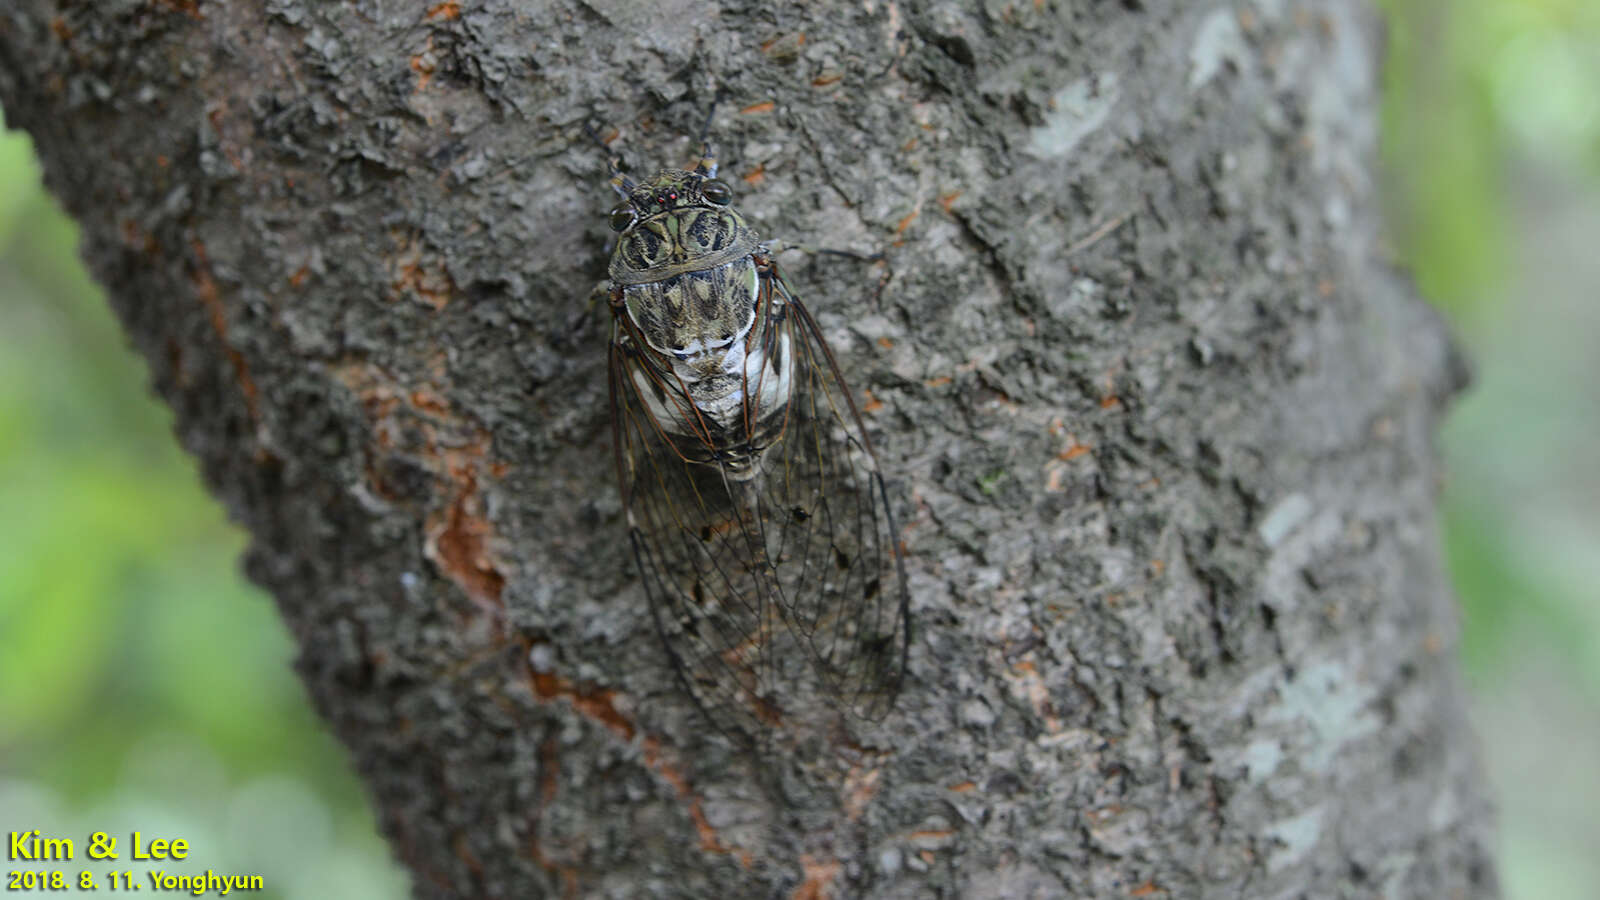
(1158,415)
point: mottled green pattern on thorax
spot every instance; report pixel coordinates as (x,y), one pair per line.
(697,310)
(678,231)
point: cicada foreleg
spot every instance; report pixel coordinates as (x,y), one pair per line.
(586,314)
(776,247)
(707,165)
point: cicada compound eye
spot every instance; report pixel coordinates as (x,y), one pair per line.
(621,217)
(717,192)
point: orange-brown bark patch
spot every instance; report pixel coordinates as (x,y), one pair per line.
(1105,813)
(206,289)
(429,402)
(424,65)
(1073,452)
(1053,479)
(419,276)
(598,706)
(137,239)
(190,8)
(595,704)
(860,786)
(549,770)
(820,874)
(231,134)
(459,541)
(780,42)
(465,854)
(709,841)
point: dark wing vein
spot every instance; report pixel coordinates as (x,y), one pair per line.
(849,598)
(781,591)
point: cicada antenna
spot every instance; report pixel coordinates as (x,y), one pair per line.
(620,181)
(707,165)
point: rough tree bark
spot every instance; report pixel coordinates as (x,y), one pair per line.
(1157,415)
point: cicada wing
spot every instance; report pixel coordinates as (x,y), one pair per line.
(689,533)
(775,589)
(827,526)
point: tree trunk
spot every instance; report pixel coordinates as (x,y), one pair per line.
(1157,418)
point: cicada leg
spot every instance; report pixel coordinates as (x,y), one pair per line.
(586,314)
(707,165)
(776,247)
(773,248)
(620,181)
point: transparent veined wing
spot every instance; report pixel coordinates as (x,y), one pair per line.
(780,590)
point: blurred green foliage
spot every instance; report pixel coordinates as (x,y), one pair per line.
(144,684)
(1475,88)
(1492,151)
(1466,83)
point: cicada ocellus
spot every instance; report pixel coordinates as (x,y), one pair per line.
(755,506)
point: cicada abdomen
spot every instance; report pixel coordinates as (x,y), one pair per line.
(755,507)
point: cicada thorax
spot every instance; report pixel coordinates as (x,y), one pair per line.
(689,298)
(714,369)
(676,228)
(680,241)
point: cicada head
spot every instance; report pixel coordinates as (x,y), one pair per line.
(674,222)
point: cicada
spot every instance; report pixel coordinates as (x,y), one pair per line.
(755,506)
